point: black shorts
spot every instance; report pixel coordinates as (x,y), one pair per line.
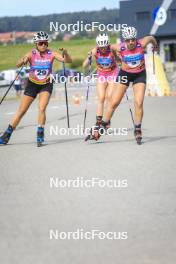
(32,89)
(127,77)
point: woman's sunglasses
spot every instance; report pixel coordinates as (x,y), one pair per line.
(41,43)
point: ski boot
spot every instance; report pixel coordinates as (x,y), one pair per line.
(40,136)
(97,131)
(138,135)
(4,139)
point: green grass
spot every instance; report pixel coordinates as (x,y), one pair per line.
(78,50)
(10,54)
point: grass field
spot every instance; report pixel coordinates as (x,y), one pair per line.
(11,53)
(78,49)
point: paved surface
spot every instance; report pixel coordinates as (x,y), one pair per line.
(146,209)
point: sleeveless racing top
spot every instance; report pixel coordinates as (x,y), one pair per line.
(133,60)
(106,62)
(41,66)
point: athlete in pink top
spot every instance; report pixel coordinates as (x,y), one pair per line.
(41,61)
(41,66)
(107,71)
(131,52)
(132,59)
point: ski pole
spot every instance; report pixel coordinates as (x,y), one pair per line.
(130,109)
(66,95)
(11,85)
(153,61)
(87,94)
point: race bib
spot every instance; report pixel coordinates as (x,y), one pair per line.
(133,61)
(104,62)
(134,64)
(41,73)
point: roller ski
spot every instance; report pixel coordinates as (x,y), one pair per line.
(4,139)
(98,130)
(95,133)
(40,136)
(89,136)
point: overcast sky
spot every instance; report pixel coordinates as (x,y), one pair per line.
(41,7)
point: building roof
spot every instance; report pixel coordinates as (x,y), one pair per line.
(10,36)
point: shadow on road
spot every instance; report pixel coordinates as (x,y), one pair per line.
(145,140)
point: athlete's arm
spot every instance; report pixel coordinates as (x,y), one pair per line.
(149,39)
(24,60)
(90,54)
(59,57)
(116,48)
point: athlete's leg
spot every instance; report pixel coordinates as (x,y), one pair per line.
(101,92)
(108,96)
(117,95)
(43,102)
(109,91)
(111,81)
(24,105)
(139,93)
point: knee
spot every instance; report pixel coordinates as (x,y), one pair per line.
(101,100)
(42,108)
(138,104)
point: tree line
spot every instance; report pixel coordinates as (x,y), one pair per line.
(37,23)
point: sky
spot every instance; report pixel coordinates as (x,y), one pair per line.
(43,7)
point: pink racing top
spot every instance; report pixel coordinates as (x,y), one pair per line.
(132,60)
(41,66)
(105,61)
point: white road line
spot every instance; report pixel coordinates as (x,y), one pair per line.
(10,113)
(54,107)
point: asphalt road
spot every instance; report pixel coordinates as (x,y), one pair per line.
(145,209)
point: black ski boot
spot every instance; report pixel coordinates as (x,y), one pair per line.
(138,135)
(98,130)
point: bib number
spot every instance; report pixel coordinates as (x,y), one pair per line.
(41,74)
(134,64)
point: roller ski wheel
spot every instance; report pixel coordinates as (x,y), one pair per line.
(90,136)
(39,144)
